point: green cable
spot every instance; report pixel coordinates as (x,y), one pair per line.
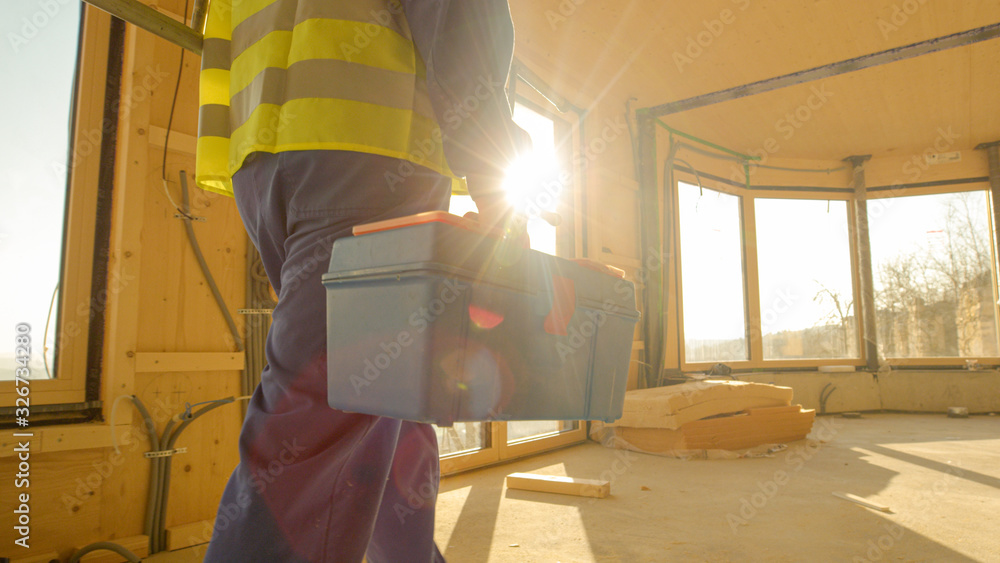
(706,143)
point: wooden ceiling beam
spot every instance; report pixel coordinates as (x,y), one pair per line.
(833,69)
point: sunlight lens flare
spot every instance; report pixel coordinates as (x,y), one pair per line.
(526,178)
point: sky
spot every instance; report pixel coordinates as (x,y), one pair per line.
(37,59)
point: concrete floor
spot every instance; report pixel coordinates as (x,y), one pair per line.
(939,476)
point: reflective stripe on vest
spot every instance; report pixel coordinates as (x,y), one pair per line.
(280,75)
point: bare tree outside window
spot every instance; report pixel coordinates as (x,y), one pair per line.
(934,279)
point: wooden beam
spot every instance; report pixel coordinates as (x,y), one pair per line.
(181,142)
(163,362)
(959,39)
(145,17)
(863,253)
(652,250)
(559,485)
(65,438)
(186,535)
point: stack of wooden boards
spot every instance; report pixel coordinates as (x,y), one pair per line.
(708,415)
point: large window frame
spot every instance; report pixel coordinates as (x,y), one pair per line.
(751,278)
(674,337)
(943,188)
(83,285)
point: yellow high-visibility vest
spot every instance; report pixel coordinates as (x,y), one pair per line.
(282,75)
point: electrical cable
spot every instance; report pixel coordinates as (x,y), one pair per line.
(824,396)
(697,177)
(185,210)
(45,334)
(170,121)
(193,240)
(154,478)
(107,546)
(170,440)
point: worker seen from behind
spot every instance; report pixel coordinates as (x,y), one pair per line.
(318,116)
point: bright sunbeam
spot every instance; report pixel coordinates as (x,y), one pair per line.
(532,180)
(525,177)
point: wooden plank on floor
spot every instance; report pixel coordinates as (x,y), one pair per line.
(560,485)
(186,535)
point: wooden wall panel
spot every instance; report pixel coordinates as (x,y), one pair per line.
(79,496)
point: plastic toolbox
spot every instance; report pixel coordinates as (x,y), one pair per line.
(425,323)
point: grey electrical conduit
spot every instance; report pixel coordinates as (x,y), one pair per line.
(128,555)
(186,218)
(150,500)
(170,439)
(159,475)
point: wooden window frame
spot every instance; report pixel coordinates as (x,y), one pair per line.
(751,276)
(941,189)
(83,281)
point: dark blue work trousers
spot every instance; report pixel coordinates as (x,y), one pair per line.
(314,483)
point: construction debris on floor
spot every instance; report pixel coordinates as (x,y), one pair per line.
(708,415)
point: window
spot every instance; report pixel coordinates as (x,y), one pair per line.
(535,185)
(712,282)
(806,290)
(34,162)
(932,264)
(53,169)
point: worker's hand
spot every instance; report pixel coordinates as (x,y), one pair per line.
(491,201)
